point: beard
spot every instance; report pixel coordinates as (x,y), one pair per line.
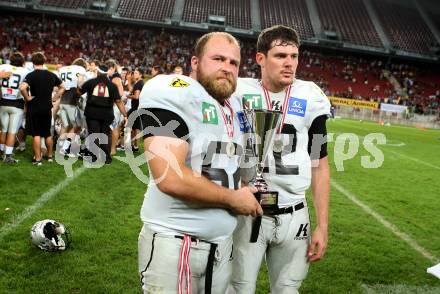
(218,85)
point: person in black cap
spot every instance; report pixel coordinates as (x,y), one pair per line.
(101,95)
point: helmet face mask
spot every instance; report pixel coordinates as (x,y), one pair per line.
(50,235)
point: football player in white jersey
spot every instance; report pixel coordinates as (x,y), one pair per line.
(294,163)
(193,147)
(73,76)
(11,104)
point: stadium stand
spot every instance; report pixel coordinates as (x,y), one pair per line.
(350,19)
(344,75)
(151,10)
(395,18)
(292,13)
(236,12)
(339,73)
(71,4)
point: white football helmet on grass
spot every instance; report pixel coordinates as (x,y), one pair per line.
(48,235)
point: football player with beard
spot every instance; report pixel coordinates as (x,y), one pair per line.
(298,158)
(193,146)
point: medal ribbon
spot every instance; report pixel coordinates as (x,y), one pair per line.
(229,127)
(285,102)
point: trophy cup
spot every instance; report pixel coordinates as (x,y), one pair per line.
(261,127)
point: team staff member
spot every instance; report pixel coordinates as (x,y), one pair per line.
(116,79)
(11,104)
(41,84)
(134,97)
(193,147)
(102,94)
(284,237)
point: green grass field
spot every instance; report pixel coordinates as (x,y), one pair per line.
(384,222)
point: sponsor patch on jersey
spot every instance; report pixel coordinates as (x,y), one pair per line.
(252,101)
(178,83)
(297,106)
(209,112)
(244,126)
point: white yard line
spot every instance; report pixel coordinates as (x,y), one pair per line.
(30,210)
(414,159)
(412,243)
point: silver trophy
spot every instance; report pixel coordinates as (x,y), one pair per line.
(261,126)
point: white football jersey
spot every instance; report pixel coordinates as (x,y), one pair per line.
(90,75)
(10,86)
(288,166)
(209,154)
(69,75)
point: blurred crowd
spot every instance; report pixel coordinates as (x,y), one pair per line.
(338,74)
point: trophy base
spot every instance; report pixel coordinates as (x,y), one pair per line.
(268,200)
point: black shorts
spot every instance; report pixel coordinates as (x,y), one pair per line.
(137,121)
(39,123)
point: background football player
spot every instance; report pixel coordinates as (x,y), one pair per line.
(73,76)
(11,104)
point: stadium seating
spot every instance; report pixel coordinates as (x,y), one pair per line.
(236,12)
(292,13)
(71,4)
(350,19)
(336,73)
(17,1)
(404,26)
(153,10)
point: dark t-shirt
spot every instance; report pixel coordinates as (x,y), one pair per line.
(100,88)
(41,83)
(137,87)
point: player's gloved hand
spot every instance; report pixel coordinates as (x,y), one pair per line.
(244,202)
(318,244)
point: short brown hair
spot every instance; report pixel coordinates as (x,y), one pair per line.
(111,63)
(17,59)
(199,48)
(283,34)
(80,62)
(38,58)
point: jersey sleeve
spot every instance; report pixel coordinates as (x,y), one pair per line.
(4,67)
(319,103)
(156,118)
(82,72)
(159,92)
